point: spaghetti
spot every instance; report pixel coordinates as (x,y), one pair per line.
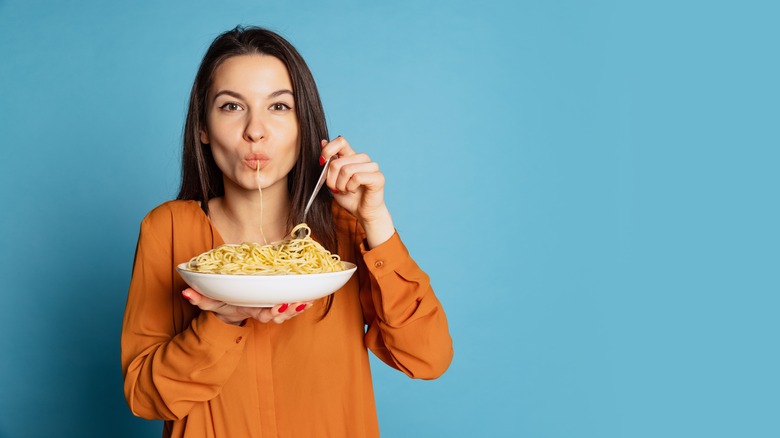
(299,255)
(294,256)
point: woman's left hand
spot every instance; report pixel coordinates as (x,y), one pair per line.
(359,187)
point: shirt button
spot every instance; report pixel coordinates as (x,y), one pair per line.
(238,339)
(379,263)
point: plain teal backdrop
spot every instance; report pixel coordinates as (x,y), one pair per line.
(592,186)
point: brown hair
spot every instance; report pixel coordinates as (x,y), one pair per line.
(201,179)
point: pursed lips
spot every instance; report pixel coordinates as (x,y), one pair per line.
(254,160)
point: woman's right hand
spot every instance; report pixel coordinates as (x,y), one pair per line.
(236,314)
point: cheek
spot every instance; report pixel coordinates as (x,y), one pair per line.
(220,158)
(296,148)
(225,126)
(292,140)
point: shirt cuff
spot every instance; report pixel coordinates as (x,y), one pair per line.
(386,257)
(217,332)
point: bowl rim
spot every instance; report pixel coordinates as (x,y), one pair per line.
(181,267)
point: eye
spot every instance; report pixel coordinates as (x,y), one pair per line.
(231,106)
(280,106)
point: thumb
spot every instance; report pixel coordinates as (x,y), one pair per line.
(192,296)
(204,302)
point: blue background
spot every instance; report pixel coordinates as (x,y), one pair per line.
(593,187)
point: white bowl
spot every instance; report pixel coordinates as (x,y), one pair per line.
(266,290)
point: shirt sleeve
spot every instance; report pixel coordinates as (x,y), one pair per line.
(166,373)
(407,327)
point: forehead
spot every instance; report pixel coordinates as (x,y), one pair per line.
(249,74)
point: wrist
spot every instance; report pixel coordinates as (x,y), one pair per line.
(378,229)
(231,321)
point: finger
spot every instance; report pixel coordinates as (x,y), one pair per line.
(281,318)
(337,168)
(341,161)
(191,294)
(199,300)
(280,308)
(350,176)
(338,146)
(293,310)
(298,308)
(372,181)
(265,315)
(250,312)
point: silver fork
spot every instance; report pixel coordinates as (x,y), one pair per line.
(300,234)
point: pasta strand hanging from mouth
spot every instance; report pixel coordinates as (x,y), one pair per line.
(260,189)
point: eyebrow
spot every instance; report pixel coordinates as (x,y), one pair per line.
(230,93)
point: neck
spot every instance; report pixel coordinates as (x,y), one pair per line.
(237,214)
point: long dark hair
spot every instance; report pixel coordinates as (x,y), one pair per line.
(202,180)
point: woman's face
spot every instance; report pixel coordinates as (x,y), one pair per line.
(251,122)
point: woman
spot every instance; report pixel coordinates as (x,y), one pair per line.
(296,369)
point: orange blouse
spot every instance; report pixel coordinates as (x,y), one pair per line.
(302,378)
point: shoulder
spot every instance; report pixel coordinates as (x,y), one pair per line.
(169,210)
(169,214)
(178,226)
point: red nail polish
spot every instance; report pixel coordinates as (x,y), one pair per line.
(322,160)
(283,307)
(300,307)
(334,191)
(185,295)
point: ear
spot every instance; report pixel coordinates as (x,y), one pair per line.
(204,137)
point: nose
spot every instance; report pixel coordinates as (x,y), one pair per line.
(255,128)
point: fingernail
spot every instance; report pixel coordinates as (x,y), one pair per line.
(323,143)
(300,307)
(186,295)
(334,191)
(283,307)
(322,160)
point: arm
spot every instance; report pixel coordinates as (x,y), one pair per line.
(167,373)
(407,327)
